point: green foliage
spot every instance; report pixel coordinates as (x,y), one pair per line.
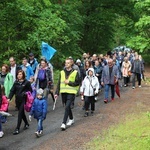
(72,27)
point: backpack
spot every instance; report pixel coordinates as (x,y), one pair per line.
(41,74)
(29,101)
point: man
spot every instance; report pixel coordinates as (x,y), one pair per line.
(14,68)
(27,69)
(68,86)
(33,62)
(137,69)
(109,78)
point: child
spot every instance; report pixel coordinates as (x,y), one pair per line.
(89,89)
(32,81)
(39,110)
(3,108)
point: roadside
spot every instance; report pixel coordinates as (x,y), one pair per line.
(84,130)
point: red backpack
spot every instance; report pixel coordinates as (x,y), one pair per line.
(29,101)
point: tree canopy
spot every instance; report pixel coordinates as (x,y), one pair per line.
(72,27)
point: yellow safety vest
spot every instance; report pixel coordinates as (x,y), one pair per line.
(65,88)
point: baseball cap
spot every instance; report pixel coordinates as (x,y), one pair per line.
(31,54)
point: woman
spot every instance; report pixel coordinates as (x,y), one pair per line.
(19,89)
(89,89)
(126,69)
(44,78)
(88,64)
(6,79)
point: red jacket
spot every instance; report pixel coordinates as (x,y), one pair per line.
(5,104)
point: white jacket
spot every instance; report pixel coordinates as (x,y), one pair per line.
(89,83)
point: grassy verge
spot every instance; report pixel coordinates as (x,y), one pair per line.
(132,134)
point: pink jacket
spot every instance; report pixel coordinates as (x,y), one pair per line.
(5,104)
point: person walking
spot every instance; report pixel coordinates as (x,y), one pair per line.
(39,111)
(110,76)
(136,70)
(33,62)
(14,68)
(27,69)
(89,89)
(126,70)
(68,85)
(19,89)
(44,78)
(6,79)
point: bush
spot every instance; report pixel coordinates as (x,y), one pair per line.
(146,58)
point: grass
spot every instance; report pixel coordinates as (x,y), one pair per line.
(132,134)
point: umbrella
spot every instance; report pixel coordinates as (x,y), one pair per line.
(54,105)
(117,89)
(47,51)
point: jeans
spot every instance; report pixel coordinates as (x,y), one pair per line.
(138,78)
(107,86)
(67,100)
(89,100)
(40,124)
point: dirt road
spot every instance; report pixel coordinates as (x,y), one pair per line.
(131,101)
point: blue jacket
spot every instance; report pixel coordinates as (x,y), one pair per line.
(34,64)
(39,108)
(29,72)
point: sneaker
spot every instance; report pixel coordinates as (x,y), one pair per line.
(125,85)
(16,132)
(86,114)
(41,132)
(63,126)
(133,87)
(37,133)
(105,101)
(70,122)
(95,98)
(26,126)
(112,99)
(140,86)
(1,134)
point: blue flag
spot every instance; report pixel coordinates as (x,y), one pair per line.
(47,51)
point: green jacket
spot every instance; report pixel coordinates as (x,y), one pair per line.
(8,83)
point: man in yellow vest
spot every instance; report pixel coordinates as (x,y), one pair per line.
(68,85)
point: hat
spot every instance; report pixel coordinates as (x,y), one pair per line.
(40,91)
(70,57)
(42,58)
(78,61)
(31,54)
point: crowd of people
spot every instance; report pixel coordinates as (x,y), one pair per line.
(85,77)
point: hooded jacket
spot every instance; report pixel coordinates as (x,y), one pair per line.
(90,84)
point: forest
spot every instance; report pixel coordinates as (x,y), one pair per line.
(72,27)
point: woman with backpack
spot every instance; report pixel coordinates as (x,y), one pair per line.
(19,89)
(44,78)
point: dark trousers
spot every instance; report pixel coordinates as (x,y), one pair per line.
(89,100)
(138,78)
(126,80)
(67,100)
(21,115)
